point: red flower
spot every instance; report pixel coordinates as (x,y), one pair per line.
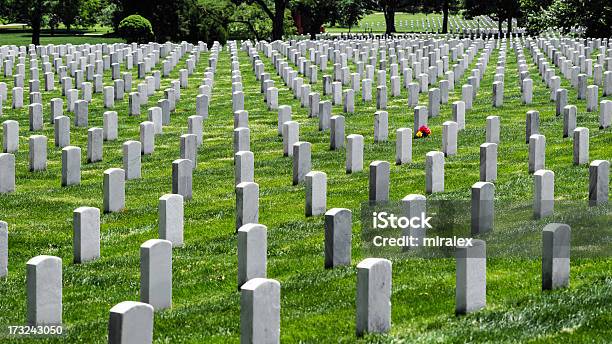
(425,131)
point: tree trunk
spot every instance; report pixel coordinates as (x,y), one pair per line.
(390,21)
(445,18)
(509,26)
(314,30)
(279,19)
(36,31)
(499,26)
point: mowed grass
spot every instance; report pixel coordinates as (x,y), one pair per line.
(24,37)
(317,305)
(375,22)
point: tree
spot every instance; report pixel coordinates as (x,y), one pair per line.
(315,13)
(68,11)
(444,6)
(209,20)
(499,10)
(594,16)
(351,12)
(276,14)
(30,12)
(104,16)
(135,28)
(389,7)
(250,21)
(532,18)
(96,12)
(168,18)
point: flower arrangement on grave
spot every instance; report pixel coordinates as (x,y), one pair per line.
(423,131)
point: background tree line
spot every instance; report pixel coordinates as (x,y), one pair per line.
(210,20)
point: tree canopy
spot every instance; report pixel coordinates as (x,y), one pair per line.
(211,20)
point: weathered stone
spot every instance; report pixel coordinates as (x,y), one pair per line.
(532,124)
(242,141)
(114,190)
(131,322)
(260,311)
(336,134)
(38,153)
(338,236)
(483,208)
(493,129)
(284,115)
(10,136)
(449,138)
(252,252)
(7,173)
(147,137)
(379,181)
(420,118)
(599,182)
(156,273)
(471,277)
(544,193)
(291,135)
(94,145)
(301,161)
(44,290)
(354,153)
(488,162)
(86,234)
(110,126)
(182,178)
(71,166)
(414,205)
(373,296)
(132,159)
(189,148)
(171,212)
(381,126)
(458,111)
(155,116)
(247,203)
(315,184)
(62,131)
(555,256)
(537,152)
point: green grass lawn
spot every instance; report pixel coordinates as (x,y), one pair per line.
(409,22)
(24,37)
(317,305)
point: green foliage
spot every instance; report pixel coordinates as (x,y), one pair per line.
(96,12)
(31,12)
(208,21)
(351,12)
(68,11)
(497,9)
(104,17)
(594,16)
(136,28)
(168,18)
(250,21)
(289,24)
(533,18)
(275,10)
(315,13)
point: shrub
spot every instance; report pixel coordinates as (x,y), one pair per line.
(136,28)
